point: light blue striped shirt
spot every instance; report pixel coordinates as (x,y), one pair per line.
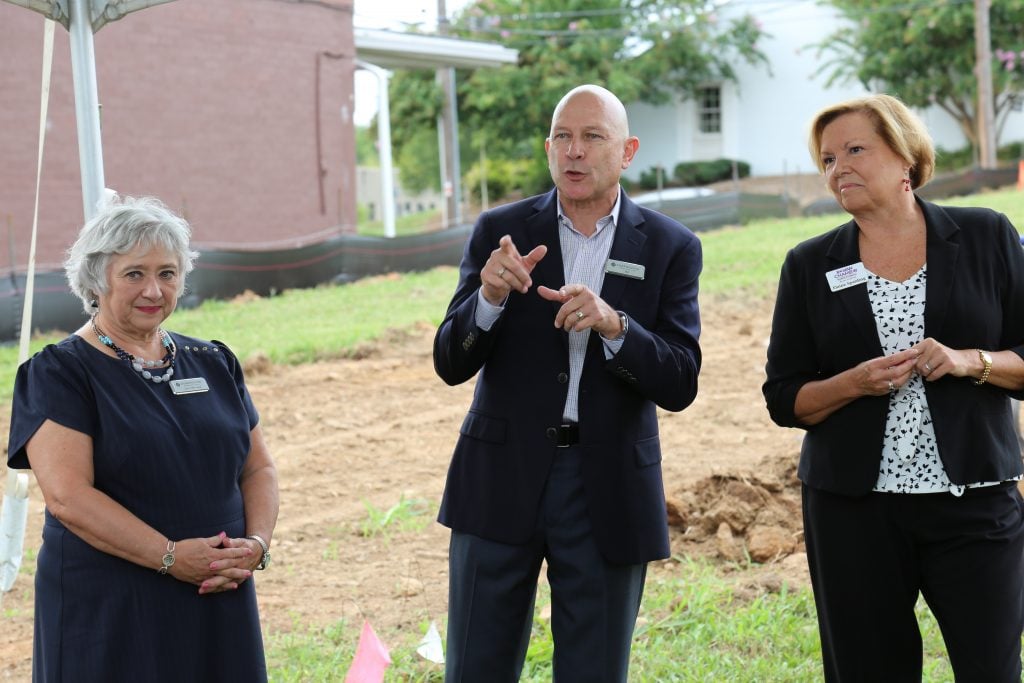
(583,261)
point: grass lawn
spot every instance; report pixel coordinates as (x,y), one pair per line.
(692,627)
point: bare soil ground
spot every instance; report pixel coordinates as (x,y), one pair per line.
(354,438)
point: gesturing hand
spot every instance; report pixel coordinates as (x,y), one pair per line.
(582,309)
(507,269)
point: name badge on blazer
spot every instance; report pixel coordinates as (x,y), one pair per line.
(847,276)
(625,268)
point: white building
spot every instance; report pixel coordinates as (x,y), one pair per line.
(763,118)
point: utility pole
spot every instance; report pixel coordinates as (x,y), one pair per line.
(451,174)
(983,69)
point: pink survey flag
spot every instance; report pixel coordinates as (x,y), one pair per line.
(371,658)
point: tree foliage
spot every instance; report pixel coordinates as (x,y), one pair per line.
(643,50)
(923,51)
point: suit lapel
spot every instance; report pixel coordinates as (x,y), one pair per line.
(941,254)
(845,251)
(542,228)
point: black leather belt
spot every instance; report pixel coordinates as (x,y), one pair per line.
(564,435)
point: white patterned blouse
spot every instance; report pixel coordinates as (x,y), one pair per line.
(910,456)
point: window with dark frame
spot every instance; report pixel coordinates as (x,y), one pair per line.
(709,109)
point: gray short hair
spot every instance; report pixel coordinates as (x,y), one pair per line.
(120,226)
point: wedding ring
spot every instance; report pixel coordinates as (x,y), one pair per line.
(579,314)
(927,368)
(501,271)
(892,387)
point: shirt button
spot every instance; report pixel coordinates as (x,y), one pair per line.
(562,378)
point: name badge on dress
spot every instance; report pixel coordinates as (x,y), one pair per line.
(625,268)
(847,276)
(191,385)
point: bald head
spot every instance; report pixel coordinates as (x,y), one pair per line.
(602,100)
(588,149)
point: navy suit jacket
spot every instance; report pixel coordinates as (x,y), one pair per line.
(502,457)
(974,300)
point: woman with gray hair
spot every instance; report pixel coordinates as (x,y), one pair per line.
(161,496)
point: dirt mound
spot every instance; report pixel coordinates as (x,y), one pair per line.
(738,516)
(362,446)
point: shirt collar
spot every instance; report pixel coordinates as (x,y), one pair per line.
(614,215)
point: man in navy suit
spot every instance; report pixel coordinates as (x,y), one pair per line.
(576,311)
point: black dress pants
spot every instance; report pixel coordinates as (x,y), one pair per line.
(871,556)
(492,588)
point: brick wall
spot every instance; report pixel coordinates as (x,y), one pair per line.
(228,110)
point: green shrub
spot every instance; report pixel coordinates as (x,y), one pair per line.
(690,173)
(947,160)
(649,178)
(504,176)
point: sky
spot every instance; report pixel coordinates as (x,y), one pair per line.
(395,15)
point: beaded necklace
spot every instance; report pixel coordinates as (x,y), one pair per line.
(141,365)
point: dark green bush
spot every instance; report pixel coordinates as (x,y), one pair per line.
(649,178)
(690,173)
(958,159)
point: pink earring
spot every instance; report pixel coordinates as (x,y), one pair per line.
(906,184)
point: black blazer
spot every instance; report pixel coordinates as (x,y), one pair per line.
(503,455)
(975,300)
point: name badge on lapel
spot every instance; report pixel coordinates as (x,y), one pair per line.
(625,269)
(192,385)
(847,276)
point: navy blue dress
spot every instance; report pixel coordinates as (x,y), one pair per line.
(173,461)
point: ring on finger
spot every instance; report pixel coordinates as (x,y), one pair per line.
(927,368)
(579,314)
(501,271)
(892,387)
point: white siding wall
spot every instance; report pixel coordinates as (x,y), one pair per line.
(765,117)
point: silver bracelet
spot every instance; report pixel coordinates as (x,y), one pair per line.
(265,560)
(167,561)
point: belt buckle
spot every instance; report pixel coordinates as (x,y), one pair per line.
(565,439)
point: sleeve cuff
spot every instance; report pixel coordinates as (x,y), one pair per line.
(487,313)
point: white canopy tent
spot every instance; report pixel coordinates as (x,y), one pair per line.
(81,18)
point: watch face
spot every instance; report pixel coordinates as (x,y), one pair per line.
(168,560)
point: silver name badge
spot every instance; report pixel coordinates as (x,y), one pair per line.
(625,268)
(192,385)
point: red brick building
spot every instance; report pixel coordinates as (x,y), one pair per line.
(236,113)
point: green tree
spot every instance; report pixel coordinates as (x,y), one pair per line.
(643,50)
(366,146)
(923,52)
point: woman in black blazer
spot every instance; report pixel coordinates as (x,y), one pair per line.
(897,342)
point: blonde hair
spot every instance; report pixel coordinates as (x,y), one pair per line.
(900,128)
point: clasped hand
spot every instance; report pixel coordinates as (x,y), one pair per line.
(929,358)
(215,564)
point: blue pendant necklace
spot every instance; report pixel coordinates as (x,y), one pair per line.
(140,365)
